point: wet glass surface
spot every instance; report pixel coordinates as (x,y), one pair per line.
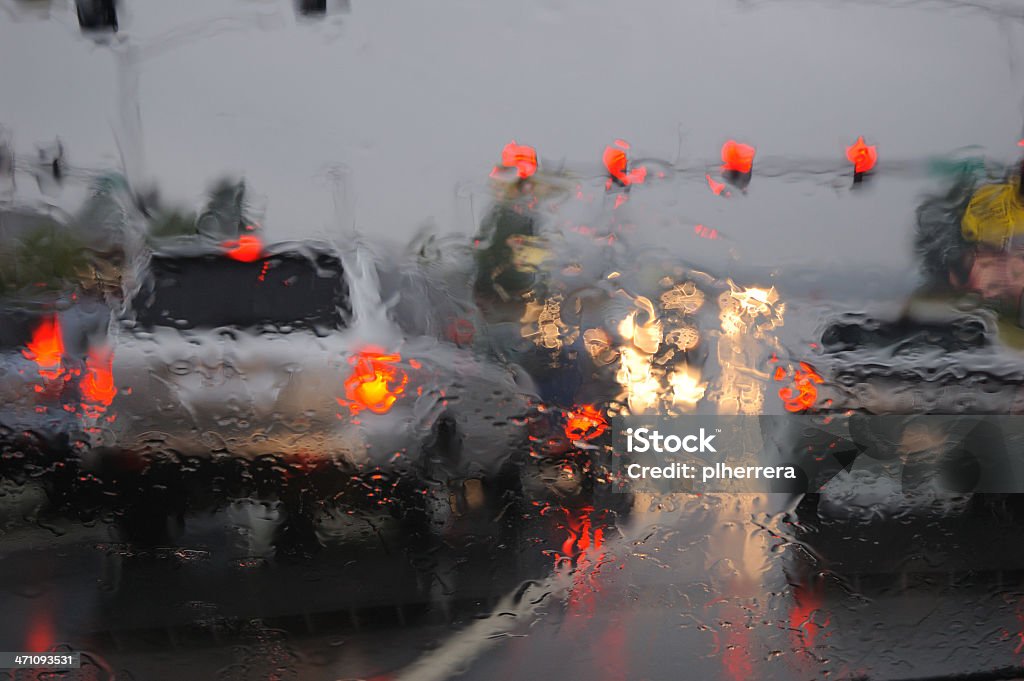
(317,318)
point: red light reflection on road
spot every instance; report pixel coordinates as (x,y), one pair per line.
(581,537)
(1017,637)
(736,657)
(582,557)
(97,386)
(804,629)
(732,639)
(705,232)
(40,635)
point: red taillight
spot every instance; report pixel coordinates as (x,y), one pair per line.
(585,423)
(804,393)
(375,384)
(46,348)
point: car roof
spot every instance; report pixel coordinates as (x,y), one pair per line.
(199,246)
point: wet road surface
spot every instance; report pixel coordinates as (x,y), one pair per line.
(724,586)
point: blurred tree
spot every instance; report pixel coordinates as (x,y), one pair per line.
(510,247)
(226,212)
(172,223)
(44,258)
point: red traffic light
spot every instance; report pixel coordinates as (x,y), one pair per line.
(862,156)
(737,158)
(519,156)
(616,163)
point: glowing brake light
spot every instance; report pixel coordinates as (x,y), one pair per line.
(46,348)
(805,616)
(375,383)
(247,248)
(585,423)
(804,392)
(862,156)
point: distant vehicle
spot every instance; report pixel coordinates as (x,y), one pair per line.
(60,277)
(913,408)
(44,366)
(925,393)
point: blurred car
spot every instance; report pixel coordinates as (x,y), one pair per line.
(904,417)
(44,356)
(926,392)
(284,357)
(52,310)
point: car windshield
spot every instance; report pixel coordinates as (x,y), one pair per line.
(282,291)
(473,341)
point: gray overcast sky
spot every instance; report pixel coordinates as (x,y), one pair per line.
(415,99)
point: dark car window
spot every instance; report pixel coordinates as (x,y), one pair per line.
(81,325)
(954,336)
(16,327)
(207,291)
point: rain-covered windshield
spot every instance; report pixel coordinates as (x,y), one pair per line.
(451,340)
